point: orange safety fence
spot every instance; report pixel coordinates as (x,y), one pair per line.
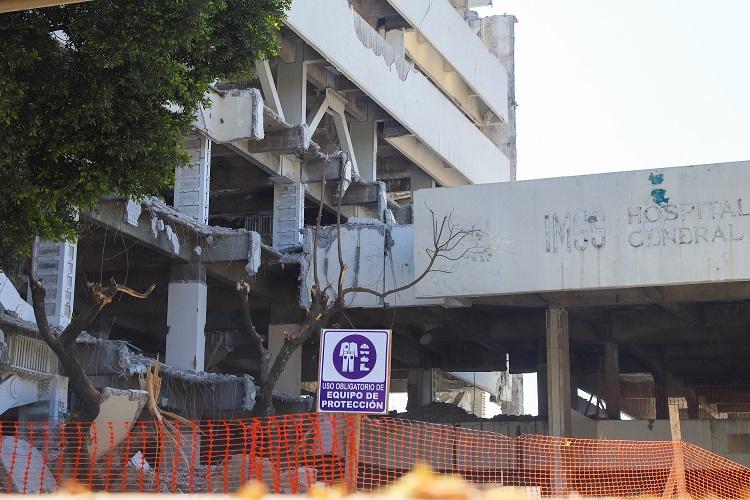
(291,452)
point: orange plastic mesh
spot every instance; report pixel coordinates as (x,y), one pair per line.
(291,452)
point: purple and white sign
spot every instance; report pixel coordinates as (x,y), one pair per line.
(354,371)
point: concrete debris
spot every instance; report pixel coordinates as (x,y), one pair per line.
(12,324)
(162,215)
(139,462)
(446,413)
(253,254)
(132,212)
(124,362)
(363,221)
(173,239)
(372,40)
(240,467)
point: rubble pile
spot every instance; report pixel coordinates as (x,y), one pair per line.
(445,413)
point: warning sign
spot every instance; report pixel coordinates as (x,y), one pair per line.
(354,373)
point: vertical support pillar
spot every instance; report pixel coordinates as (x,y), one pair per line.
(290,381)
(541,379)
(498,33)
(692,404)
(55,265)
(396,39)
(365,143)
(612,393)
(192,183)
(420,388)
(186,317)
(661,399)
(420,180)
(291,83)
(558,372)
(515,405)
(288,215)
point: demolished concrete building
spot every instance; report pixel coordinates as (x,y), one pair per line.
(403,95)
(623,292)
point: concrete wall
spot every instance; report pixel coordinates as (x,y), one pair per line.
(363,249)
(363,56)
(640,228)
(729,438)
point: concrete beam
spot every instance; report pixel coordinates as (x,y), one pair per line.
(432,63)
(232,115)
(314,170)
(216,246)
(426,159)
(295,139)
(451,37)
(362,194)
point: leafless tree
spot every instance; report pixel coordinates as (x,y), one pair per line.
(450,242)
(63,344)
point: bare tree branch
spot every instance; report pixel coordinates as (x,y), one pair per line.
(446,238)
(317,230)
(342,266)
(243,291)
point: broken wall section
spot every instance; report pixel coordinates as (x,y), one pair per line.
(378,256)
(498,34)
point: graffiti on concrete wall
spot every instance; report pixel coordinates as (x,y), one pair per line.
(580,231)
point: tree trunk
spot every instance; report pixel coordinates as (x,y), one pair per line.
(263,400)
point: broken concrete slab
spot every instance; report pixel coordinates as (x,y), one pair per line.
(122,406)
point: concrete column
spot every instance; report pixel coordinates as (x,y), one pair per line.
(186,317)
(288,215)
(515,405)
(612,394)
(290,381)
(692,404)
(541,378)
(661,399)
(55,265)
(498,33)
(420,180)
(541,389)
(558,372)
(291,83)
(192,183)
(420,387)
(396,39)
(364,137)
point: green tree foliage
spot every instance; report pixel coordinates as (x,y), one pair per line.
(96,97)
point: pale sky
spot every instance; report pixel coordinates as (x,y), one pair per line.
(608,85)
